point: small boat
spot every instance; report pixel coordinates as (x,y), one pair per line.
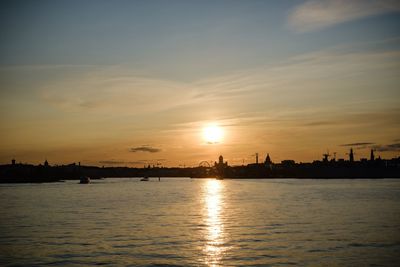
(84,180)
(220,178)
(145,179)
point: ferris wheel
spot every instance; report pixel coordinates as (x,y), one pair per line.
(204,164)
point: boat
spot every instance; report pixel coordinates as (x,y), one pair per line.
(220,178)
(84,180)
(145,179)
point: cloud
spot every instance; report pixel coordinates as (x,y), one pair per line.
(387,148)
(117,162)
(320,123)
(315,15)
(212,143)
(358,144)
(351,88)
(381,148)
(145,149)
(120,90)
(299,77)
(110,90)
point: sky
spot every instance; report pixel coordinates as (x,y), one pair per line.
(131,83)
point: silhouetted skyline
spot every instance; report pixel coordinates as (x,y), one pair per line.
(318,169)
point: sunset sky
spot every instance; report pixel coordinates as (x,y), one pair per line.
(129,83)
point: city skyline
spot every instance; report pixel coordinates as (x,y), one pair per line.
(130,83)
(256,158)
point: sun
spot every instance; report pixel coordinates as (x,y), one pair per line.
(213,134)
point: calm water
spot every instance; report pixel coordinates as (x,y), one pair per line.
(201,223)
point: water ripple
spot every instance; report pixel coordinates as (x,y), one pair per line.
(124,222)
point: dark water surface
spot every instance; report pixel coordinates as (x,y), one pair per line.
(201,223)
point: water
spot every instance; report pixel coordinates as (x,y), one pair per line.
(206,222)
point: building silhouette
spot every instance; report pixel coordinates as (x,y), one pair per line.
(374,167)
(268,162)
(221,163)
(351,155)
(221,166)
(372,157)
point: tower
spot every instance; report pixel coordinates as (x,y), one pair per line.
(220,167)
(351,155)
(221,160)
(256,158)
(267,160)
(372,157)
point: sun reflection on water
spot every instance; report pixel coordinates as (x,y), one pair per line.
(215,235)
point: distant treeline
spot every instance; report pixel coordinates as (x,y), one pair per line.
(26,173)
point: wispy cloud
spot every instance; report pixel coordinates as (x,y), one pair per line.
(118,90)
(111,90)
(381,148)
(315,15)
(145,149)
(387,148)
(319,123)
(322,89)
(338,93)
(119,162)
(358,144)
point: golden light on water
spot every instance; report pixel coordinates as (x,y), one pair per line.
(215,235)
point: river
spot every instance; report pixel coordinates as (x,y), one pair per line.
(201,222)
